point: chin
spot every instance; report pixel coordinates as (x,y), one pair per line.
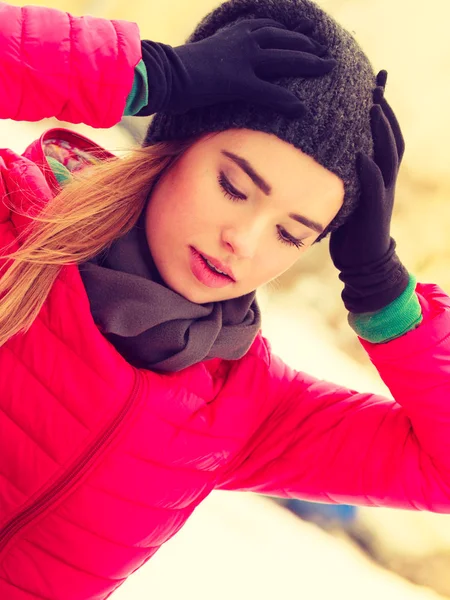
(195,297)
(205,296)
(189,292)
(200,296)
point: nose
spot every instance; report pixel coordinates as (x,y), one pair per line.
(243,239)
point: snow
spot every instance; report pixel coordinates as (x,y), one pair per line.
(238,546)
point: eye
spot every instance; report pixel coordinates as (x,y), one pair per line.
(228,190)
(286,238)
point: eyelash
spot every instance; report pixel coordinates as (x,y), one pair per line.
(232,194)
(228,190)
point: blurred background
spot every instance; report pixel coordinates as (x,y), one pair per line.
(244,546)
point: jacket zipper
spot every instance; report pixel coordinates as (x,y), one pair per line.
(31,512)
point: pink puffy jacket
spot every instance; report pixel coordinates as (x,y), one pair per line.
(101,463)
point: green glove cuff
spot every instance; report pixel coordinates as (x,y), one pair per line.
(138,97)
(392,321)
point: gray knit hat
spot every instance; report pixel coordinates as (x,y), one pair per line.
(337,122)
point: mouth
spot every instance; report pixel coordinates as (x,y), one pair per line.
(218,266)
(210,271)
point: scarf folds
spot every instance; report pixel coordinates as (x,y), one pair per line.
(154,327)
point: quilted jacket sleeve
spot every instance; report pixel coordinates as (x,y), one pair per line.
(78,69)
(321,442)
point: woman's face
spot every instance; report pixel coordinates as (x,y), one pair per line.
(245,200)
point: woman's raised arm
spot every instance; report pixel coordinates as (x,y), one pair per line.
(322,442)
(77,69)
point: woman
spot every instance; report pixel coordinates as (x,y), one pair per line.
(134,378)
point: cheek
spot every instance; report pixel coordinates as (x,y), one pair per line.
(170,207)
(201,209)
(192,196)
(272,260)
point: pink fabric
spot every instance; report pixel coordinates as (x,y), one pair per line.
(101,463)
(82,73)
(326,443)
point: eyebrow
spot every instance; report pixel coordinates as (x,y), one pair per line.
(308,222)
(247,168)
(267,189)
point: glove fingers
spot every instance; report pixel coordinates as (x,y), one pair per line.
(270,37)
(256,24)
(371,180)
(369,207)
(378,98)
(395,126)
(305,26)
(353,233)
(279,99)
(367,211)
(291,63)
(385,148)
(382,79)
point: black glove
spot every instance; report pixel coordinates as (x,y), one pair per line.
(362,249)
(233,64)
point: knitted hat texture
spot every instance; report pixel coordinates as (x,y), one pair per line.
(336,125)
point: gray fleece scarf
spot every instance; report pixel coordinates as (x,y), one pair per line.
(152,326)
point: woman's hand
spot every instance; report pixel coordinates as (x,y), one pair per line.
(362,249)
(234,64)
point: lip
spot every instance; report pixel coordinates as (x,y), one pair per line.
(205,274)
(219,265)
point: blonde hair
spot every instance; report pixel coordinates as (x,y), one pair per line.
(99,205)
